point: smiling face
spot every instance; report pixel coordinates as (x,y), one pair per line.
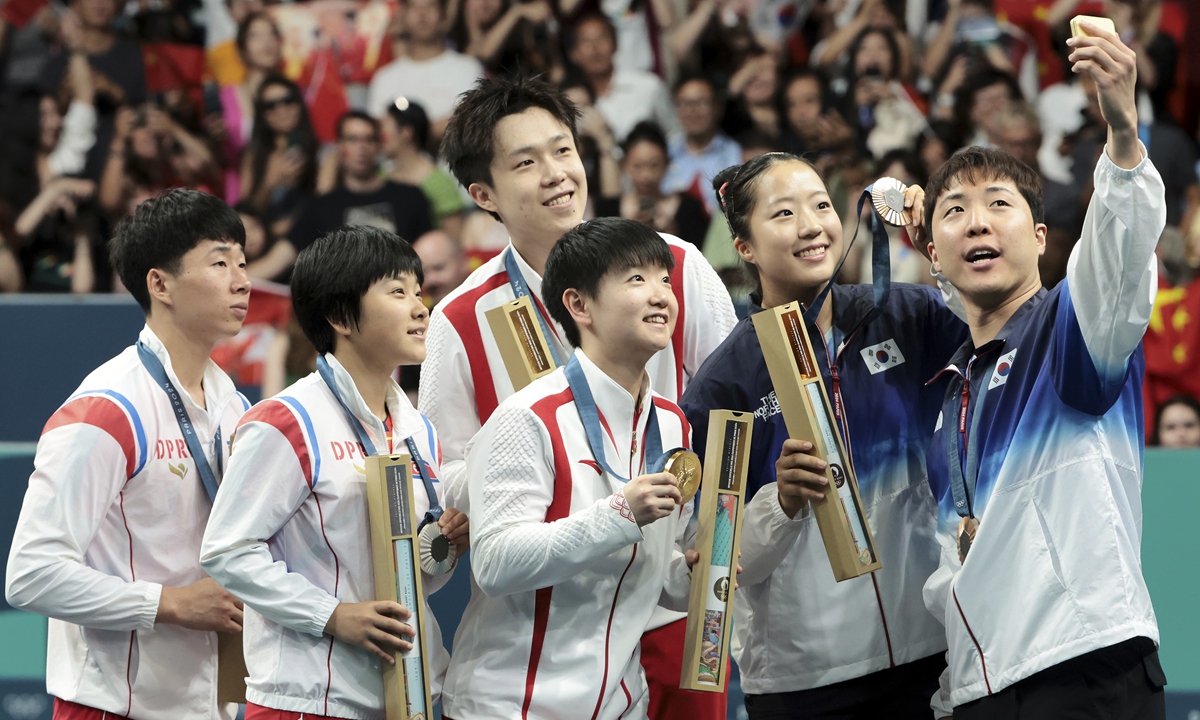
(795,234)
(985,241)
(392,320)
(209,295)
(633,310)
(538,184)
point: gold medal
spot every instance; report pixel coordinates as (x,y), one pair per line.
(967,527)
(685,466)
(887,195)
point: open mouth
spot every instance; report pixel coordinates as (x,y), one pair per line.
(559,200)
(657,319)
(417,332)
(982,255)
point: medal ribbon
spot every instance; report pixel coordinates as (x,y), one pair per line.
(159,373)
(586,405)
(881,264)
(520,288)
(435,509)
(962,482)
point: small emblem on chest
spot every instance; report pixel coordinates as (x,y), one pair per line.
(881,356)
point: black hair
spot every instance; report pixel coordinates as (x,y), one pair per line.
(356,115)
(262,137)
(975,164)
(163,229)
(470,138)
(692,77)
(736,188)
(596,17)
(592,250)
(412,116)
(332,275)
(243,30)
(893,47)
(964,97)
(1185,400)
(250,210)
(646,131)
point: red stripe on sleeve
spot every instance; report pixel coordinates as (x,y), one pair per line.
(276,414)
(102,413)
(462,316)
(677,336)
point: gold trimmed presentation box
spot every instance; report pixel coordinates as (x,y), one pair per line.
(522,345)
(807,413)
(397,564)
(718,536)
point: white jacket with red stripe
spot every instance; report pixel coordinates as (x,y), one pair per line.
(566,581)
(463,378)
(289,536)
(114,512)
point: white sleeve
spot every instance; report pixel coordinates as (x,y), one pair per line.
(1112,272)
(79,472)
(447,397)
(262,488)
(677,590)
(510,475)
(940,702)
(78,137)
(768,534)
(939,585)
(709,315)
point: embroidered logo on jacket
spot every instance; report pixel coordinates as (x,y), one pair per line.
(180,470)
(1003,370)
(881,356)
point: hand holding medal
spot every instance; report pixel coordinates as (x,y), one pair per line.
(901,205)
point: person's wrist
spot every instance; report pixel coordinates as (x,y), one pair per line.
(166,607)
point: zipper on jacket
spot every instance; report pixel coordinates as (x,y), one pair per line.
(840,417)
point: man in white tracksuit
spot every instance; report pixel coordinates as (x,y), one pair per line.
(108,541)
(576,529)
(289,533)
(1037,459)
(511,143)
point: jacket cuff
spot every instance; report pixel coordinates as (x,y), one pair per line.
(152,592)
(1110,168)
(321,616)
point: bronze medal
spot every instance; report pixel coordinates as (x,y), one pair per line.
(887,195)
(967,527)
(685,466)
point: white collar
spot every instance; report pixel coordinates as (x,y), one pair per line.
(406,421)
(218,388)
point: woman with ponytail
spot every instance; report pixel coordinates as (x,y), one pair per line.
(806,645)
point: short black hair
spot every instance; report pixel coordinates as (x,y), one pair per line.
(470,138)
(332,275)
(592,250)
(412,116)
(163,229)
(356,115)
(646,131)
(596,17)
(975,164)
(699,77)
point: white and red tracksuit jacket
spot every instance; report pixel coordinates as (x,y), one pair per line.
(566,581)
(289,536)
(114,512)
(463,378)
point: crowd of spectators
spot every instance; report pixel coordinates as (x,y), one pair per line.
(104,103)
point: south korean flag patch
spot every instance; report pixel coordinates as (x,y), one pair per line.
(1003,370)
(881,356)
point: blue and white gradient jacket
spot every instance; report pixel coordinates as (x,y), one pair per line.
(795,627)
(1055,570)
